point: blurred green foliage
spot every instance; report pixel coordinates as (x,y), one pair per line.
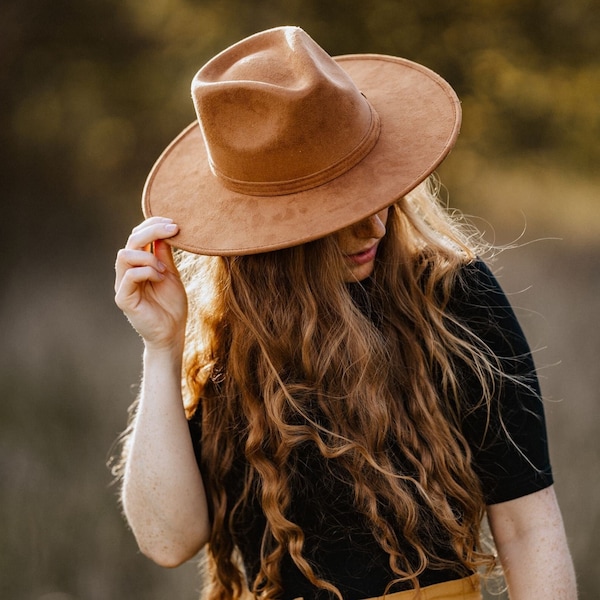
(93,90)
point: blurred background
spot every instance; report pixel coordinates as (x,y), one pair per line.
(93,90)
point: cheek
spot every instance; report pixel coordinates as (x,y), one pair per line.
(383,215)
(343,237)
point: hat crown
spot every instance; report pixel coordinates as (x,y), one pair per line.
(279,115)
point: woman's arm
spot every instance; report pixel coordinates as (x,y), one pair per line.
(532,546)
(163,494)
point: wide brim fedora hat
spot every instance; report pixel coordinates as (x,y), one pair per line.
(291,144)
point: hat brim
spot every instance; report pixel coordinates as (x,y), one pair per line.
(420,121)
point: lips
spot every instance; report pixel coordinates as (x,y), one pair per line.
(363,257)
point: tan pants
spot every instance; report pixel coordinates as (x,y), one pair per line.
(461,589)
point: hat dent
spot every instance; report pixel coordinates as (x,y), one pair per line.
(282,113)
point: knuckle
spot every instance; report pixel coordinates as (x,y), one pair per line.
(118,299)
(121,255)
(131,240)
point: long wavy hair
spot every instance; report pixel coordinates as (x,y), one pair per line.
(278,354)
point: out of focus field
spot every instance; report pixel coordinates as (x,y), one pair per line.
(92,92)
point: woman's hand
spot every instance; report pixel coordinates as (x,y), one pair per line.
(163,493)
(148,288)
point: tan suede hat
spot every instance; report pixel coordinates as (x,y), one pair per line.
(291,145)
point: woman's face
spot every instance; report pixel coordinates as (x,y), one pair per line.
(359,244)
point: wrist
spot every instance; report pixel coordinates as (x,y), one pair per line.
(162,379)
(170,351)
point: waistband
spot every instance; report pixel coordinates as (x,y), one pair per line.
(458,589)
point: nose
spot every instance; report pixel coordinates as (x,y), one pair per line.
(371,227)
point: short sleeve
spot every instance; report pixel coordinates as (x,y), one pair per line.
(508,439)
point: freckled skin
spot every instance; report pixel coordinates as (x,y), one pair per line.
(359,244)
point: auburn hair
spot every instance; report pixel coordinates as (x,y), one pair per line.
(274,339)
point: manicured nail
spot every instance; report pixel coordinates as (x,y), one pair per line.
(171,227)
(161,266)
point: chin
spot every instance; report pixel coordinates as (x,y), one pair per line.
(358,273)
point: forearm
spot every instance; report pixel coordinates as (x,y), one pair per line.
(163,493)
(532,572)
(532,547)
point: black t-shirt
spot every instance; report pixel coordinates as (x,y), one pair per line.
(511,460)
(514,463)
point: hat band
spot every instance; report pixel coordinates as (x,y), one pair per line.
(307,182)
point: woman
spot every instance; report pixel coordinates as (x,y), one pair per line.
(357,390)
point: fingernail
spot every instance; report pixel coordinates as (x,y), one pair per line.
(161,266)
(171,227)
